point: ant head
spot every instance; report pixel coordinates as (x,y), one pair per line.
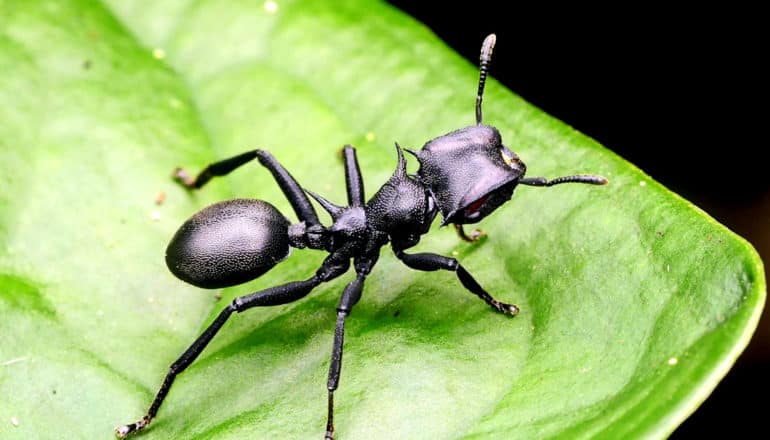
(469,172)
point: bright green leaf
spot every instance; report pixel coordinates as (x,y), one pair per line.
(634,303)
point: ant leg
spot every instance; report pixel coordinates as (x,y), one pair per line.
(430,262)
(291,189)
(580,178)
(476,234)
(221,168)
(354,183)
(273,296)
(350,297)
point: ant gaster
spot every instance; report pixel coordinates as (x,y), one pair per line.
(465,174)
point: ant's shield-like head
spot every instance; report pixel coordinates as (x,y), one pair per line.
(470,173)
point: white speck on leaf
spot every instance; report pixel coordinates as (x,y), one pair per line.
(15,360)
(271,7)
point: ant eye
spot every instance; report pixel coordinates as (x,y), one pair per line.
(431,204)
(510,158)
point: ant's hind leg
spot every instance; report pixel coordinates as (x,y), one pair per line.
(430,262)
(291,189)
(221,168)
(273,296)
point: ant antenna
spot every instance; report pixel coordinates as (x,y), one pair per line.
(580,178)
(484,60)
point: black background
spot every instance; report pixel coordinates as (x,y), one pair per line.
(677,93)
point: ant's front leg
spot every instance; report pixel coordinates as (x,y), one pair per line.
(476,234)
(430,262)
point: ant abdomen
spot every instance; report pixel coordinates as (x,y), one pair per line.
(229,243)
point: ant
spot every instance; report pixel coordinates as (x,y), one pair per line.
(465,174)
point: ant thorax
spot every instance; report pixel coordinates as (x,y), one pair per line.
(402,208)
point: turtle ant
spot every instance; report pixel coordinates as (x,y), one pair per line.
(465,174)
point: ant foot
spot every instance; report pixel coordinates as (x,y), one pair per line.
(125,430)
(476,234)
(181,176)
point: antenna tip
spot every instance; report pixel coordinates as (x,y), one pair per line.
(595,180)
(489,42)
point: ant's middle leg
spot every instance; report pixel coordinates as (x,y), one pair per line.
(353,181)
(350,297)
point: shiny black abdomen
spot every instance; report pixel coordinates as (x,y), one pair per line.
(229,243)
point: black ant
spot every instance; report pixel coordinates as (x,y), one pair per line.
(465,174)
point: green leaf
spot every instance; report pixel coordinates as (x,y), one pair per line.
(634,302)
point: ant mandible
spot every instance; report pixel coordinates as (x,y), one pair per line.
(465,174)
